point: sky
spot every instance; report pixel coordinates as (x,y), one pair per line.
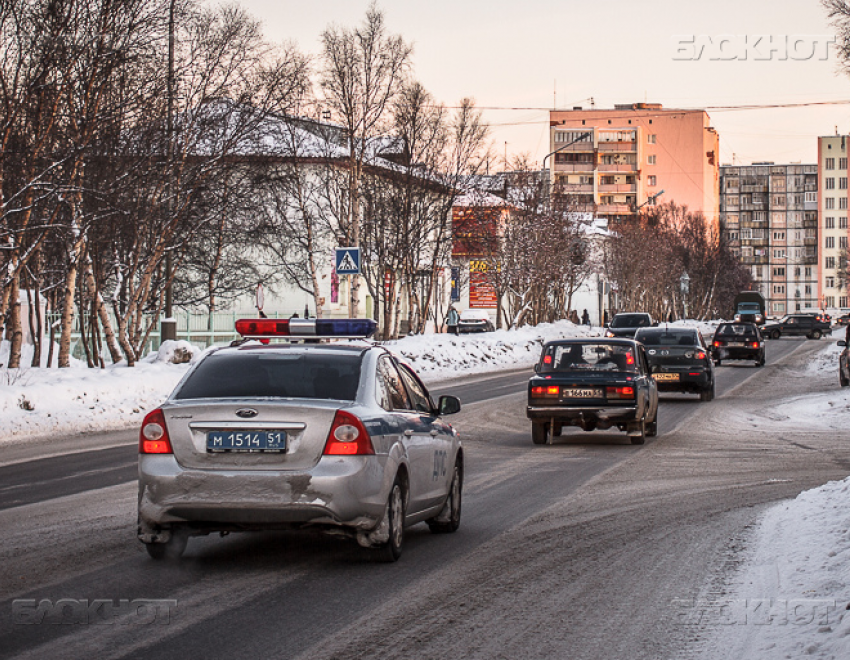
(534,54)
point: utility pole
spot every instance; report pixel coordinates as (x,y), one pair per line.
(168,326)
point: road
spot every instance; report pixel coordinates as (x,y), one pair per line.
(571,550)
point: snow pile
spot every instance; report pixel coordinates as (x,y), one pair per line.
(47,402)
(441,356)
(800,574)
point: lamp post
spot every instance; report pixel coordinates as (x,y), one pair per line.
(568,144)
(685,282)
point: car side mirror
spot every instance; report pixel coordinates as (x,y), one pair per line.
(449,405)
(842,343)
(537,368)
(605,326)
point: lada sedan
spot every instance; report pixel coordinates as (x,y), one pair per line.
(738,341)
(337,436)
(592,384)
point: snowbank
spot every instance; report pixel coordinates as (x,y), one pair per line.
(47,402)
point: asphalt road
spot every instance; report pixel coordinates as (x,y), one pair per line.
(571,550)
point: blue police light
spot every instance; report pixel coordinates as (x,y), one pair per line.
(306,328)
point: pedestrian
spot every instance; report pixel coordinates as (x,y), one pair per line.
(573,316)
(452,318)
(585,318)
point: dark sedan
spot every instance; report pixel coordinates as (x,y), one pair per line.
(844,365)
(797,325)
(593,384)
(738,341)
(679,360)
(627,324)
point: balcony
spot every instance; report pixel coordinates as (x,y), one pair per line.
(617,167)
(624,147)
(621,209)
(617,187)
(753,261)
(577,188)
(760,188)
(581,147)
(574,167)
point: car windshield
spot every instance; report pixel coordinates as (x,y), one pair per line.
(667,337)
(300,375)
(735,329)
(630,321)
(749,307)
(588,356)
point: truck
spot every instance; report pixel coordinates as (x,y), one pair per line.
(749,307)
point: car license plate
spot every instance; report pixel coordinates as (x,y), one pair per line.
(737,343)
(666,377)
(582,392)
(246,441)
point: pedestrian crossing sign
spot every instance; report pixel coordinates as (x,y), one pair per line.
(347,261)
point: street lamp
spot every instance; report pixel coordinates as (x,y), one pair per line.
(568,144)
(651,199)
(685,282)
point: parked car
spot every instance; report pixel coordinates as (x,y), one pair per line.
(592,384)
(336,436)
(679,360)
(627,324)
(738,341)
(796,325)
(474,320)
(844,365)
(844,319)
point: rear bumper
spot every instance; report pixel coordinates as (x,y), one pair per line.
(686,383)
(339,490)
(572,414)
(736,353)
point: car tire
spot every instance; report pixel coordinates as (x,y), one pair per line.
(639,439)
(775,334)
(391,550)
(539,433)
(841,379)
(816,334)
(717,362)
(448,520)
(652,427)
(707,394)
(172,549)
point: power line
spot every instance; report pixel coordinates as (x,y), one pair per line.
(716,108)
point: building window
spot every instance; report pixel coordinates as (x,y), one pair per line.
(829,203)
(778,288)
(829,301)
(779,236)
(779,254)
(746,233)
(779,307)
(829,282)
(746,251)
(829,223)
(808,271)
(842,223)
(733,236)
(842,163)
(811,197)
(842,183)
(828,262)
(759,216)
(651,138)
(778,272)
(830,164)
(829,242)
(730,183)
(842,203)
(830,183)
(842,301)
(842,242)
(651,159)
(808,289)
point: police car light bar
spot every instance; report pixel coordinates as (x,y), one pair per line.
(298,328)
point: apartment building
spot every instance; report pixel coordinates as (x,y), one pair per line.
(769,214)
(616,161)
(832,216)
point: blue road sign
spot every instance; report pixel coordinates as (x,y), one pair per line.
(347,261)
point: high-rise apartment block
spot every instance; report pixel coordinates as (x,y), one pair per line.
(770,216)
(616,161)
(832,215)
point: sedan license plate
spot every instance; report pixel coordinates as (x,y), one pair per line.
(582,392)
(666,377)
(246,441)
(737,343)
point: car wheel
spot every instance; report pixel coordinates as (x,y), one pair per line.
(539,433)
(448,520)
(641,438)
(841,379)
(707,394)
(652,427)
(391,550)
(774,334)
(172,549)
(816,334)
(717,362)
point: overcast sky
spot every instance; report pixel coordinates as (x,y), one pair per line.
(512,54)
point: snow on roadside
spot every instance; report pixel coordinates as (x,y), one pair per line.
(37,403)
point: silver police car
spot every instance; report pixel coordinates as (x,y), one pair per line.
(339,436)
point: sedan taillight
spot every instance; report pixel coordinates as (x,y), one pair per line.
(544,392)
(627,392)
(153,437)
(348,437)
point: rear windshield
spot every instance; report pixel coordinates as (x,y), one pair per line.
(295,375)
(667,337)
(735,329)
(749,307)
(588,356)
(630,321)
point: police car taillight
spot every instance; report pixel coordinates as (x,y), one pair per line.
(306,328)
(348,436)
(153,437)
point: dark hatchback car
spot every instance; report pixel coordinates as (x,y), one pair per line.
(844,365)
(737,341)
(593,384)
(627,324)
(679,360)
(797,325)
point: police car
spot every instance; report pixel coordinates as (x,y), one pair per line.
(341,436)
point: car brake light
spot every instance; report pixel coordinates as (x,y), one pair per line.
(630,359)
(547,359)
(700,356)
(755,344)
(620,392)
(716,344)
(153,437)
(348,437)
(306,327)
(545,391)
